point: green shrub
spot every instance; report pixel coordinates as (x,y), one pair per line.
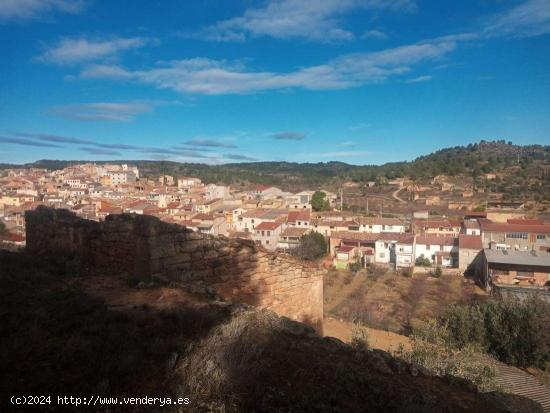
(312,247)
(359,337)
(512,331)
(355,266)
(423,261)
(438,272)
(431,350)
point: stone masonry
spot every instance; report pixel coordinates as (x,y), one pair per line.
(143,247)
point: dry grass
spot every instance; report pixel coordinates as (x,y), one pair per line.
(393,302)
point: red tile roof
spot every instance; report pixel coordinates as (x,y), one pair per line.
(525,221)
(270,226)
(496,227)
(428,239)
(432,223)
(470,242)
(293,232)
(294,216)
(476,214)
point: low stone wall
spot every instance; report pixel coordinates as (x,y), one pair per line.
(144,246)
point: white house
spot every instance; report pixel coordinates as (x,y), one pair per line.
(440,250)
(377,225)
(267,234)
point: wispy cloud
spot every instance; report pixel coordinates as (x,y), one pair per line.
(286,19)
(419,79)
(105,71)
(335,154)
(14,10)
(237,157)
(528,19)
(103,111)
(98,151)
(27,142)
(347,144)
(209,143)
(289,136)
(54,138)
(215,77)
(375,34)
(97,148)
(70,51)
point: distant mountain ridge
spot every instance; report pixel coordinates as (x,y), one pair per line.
(473,160)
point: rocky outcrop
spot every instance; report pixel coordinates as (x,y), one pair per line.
(144,247)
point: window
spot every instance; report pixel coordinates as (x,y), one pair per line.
(517,235)
(267,242)
(382,255)
(268,233)
(541,237)
(263,233)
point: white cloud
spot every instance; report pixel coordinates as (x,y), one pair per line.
(419,79)
(106,72)
(375,34)
(530,18)
(285,19)
(33,9)
(215,77)
(105,111)
(69,51)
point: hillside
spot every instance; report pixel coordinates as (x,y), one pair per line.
(522,171)
(66,332)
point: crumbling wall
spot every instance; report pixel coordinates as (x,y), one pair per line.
(142,247)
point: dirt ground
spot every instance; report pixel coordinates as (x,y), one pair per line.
(377,339)
(392,302)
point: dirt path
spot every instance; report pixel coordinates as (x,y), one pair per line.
(379,339)
(394,195)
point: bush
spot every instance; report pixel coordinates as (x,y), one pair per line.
(438,272)
(431,350)
(355,266)
(312,246)
(512,331)
(407,272)
(359,337)
(423,261)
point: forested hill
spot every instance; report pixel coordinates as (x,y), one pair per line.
(472,160)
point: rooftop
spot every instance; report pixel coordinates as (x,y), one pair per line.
(530,258)
(471,242)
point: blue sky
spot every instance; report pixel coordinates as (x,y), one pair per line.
(359,81)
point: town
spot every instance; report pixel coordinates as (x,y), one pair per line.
(277,206)
(509,254)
